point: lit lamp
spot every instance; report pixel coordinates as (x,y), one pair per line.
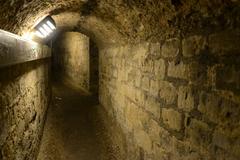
(45,28)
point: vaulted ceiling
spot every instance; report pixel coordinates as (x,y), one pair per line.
(123,20)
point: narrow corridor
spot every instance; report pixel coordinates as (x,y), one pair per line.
(165,75)
(73,130)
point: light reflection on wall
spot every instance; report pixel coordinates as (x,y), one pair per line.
(15,49)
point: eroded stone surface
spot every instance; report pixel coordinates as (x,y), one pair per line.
(178,106)
(172,118)
(24,98)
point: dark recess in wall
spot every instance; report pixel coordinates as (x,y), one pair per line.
(176,3)
(94,64)
(88,7)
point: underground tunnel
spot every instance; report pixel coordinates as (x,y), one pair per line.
(120,80)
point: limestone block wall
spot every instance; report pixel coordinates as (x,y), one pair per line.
(24,98)
(71,58)
(176,99)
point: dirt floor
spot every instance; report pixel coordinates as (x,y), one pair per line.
(73,130)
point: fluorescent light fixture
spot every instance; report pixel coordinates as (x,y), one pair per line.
(39,34)
(51,25)
(45,27)
(43,31)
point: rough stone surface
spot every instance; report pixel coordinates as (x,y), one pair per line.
(172,118)
(193,46)
(228,78)
(24,98)
(126,20)
(227,140)
(167,92)
(218,109)
(225,42)
(171,48)
(178,70)
(72,59)
(143,140)
(159,68)
(185,98)
(182,104)
(199,133)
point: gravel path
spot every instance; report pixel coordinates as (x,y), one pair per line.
(73,130)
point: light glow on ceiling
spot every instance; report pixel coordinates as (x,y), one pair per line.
(28,35)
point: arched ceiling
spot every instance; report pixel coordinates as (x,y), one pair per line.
(129,21)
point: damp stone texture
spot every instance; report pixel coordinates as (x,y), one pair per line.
(178,99)
(71,56)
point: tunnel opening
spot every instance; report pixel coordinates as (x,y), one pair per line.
(75,61)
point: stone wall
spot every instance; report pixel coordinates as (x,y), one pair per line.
(24,98)
(176,99)
(71,58)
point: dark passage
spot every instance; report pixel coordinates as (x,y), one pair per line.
(73,130)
